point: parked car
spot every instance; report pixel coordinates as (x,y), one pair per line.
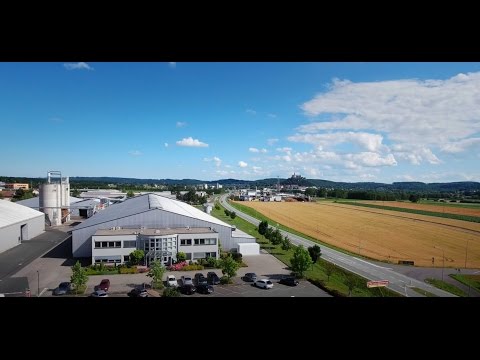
(104,285)
(138,292)
(263,283)
(200,279)
(212,278)
(250,277)
(99,293)
(205,289)
(187,280)
(289,280)
(62,289)
(188,289)
(172,281)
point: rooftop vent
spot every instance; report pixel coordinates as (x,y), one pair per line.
(157,231)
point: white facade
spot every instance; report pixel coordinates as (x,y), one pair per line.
(116,244)
(249,248)
(18,223)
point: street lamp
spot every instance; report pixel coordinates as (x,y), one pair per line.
(38,283)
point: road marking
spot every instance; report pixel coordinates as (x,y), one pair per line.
(369,263)
(45,289)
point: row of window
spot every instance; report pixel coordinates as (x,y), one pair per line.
(186,242)
(109,261)
(108,244)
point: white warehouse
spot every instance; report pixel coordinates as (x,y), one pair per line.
(18,223)
(157,213)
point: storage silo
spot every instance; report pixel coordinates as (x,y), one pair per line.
(54,198)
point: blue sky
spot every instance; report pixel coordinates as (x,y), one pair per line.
(351,122)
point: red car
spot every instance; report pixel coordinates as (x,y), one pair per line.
(104,285)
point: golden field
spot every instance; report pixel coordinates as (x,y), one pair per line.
(473,211)
(381,234)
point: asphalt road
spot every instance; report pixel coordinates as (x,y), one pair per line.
(397,281)
(13,260)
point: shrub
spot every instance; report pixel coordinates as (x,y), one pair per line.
(181,256)
(233,215)
(227,212)
(178,266)
(211,262)
(225,280)
(237,257)
(126,270)
(192,267)
(171,292)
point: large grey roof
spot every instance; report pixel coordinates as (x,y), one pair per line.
(12,213)
(35,202)
(144,203)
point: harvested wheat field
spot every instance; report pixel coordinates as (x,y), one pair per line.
(473,210)
(381,234)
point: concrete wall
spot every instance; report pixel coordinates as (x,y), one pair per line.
(10,235)
(155,218)
(112,251)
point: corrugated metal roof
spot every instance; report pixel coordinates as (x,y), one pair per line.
(145,203)
(239,233)
(12,213)
(34,202)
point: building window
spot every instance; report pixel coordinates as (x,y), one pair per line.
(126,258)
(186,242)
(98,244)
(199,255)
(118,244)
(188,256)
(129,244)
(211,254)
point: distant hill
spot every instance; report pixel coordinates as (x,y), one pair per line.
(271,182)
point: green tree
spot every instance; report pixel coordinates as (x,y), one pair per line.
(130,194)
(181,256)
(286,244)
(217,207)
(352,282)
(229,266)
(262,227)
(233,215)
(301,261)
(413,198)
(79,277)
(156,273)
(276,237)
(329,269)
(315,252)
(136,256)
(227,212)
(171,292)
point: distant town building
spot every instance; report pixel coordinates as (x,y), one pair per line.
(16,186)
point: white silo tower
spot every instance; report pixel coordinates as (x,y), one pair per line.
(54,198)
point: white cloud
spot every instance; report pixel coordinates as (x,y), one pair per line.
(228,166)
(272,116)
(166,144)
(242,164)
(285,149)
(256,168)
(173,65)
(461,146)
(191,142)
(253,150)
(271,141)
(371,142)
(215,159)
(181,124)
(264,151)
(421,116)
(77,66)
(135,153)
(251,112)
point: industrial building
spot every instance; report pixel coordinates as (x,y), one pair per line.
(16,186)
(18,223)
(152,211)
(55,198)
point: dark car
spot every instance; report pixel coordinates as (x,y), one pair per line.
(250,277)
(289,280)
(213,278)
(200,279)
(205,289)
(62,289)
(188,289)
(104,285)
(138,292)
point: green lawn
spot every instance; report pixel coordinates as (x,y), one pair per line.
(469,280)
(424,292)
(445,286)
(335,285)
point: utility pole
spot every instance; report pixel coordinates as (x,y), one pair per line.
(38,283)
(466,252)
